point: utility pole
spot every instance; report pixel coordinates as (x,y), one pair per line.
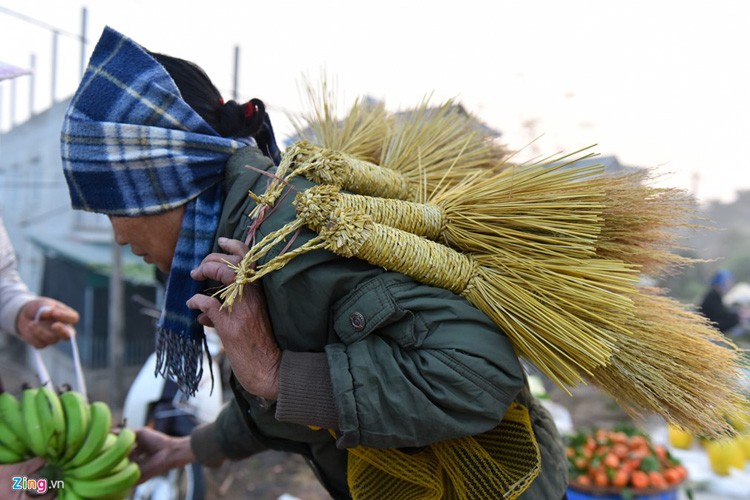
(32,78)
(53,78)
(116,326)
(84,22)
(236,75)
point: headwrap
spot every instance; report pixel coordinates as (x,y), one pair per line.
(132,146)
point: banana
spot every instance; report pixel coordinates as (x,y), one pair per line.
(68,494)
(8,456)
(104,486)
(96,434)
(10,440)
(103,463)
(12,432)
(34,436)
(77,419)
(52,419)
(109,442)
(120,465)
(10,415)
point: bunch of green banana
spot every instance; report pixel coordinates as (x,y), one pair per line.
(75,439)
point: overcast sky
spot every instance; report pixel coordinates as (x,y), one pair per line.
(660,84)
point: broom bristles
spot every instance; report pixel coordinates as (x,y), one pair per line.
(642,222)
(359,133)
(675,365)
(437,146)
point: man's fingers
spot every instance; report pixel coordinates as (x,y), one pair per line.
(234,247)
(221,258)
(206,304)
(217,271)
(215,266)
(63,315)
(204,320)
(61,330)
(54,310)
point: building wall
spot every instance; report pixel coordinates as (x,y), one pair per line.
(34,202)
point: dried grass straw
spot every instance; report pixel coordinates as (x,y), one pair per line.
(361,133)
(657,357)
(675,364)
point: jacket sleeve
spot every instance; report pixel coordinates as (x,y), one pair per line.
(228,437)
(13,291)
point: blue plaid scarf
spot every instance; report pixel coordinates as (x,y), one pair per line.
(131,146)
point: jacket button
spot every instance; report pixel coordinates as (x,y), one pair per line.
(357,321)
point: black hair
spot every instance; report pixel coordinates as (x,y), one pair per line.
(229,119)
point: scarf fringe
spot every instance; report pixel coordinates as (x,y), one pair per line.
(180,359)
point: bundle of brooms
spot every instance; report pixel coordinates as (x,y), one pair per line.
(552,252)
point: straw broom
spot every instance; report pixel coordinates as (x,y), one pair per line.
(639,221)
(663,358)
(558,316)
(422,143)
(429,147)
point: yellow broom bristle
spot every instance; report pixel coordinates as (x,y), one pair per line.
(544,210)
(438,146)
(642,222)
(359,133)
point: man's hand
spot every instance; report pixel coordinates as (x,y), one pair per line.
(44,321)
(28,468)
(245,331)
(156,452)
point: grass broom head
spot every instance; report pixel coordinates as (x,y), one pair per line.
(675,365)
(360,133)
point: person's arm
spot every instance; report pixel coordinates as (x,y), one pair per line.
(209,444)
(14,293)
(413,365)
(39,321)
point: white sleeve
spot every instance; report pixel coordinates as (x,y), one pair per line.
(13,291)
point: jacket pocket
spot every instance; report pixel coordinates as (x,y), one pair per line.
(372,307)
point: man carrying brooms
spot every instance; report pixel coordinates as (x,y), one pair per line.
(349,342)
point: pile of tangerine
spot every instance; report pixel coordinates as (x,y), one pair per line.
(604,459)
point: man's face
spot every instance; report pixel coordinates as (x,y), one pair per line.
(153,237)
